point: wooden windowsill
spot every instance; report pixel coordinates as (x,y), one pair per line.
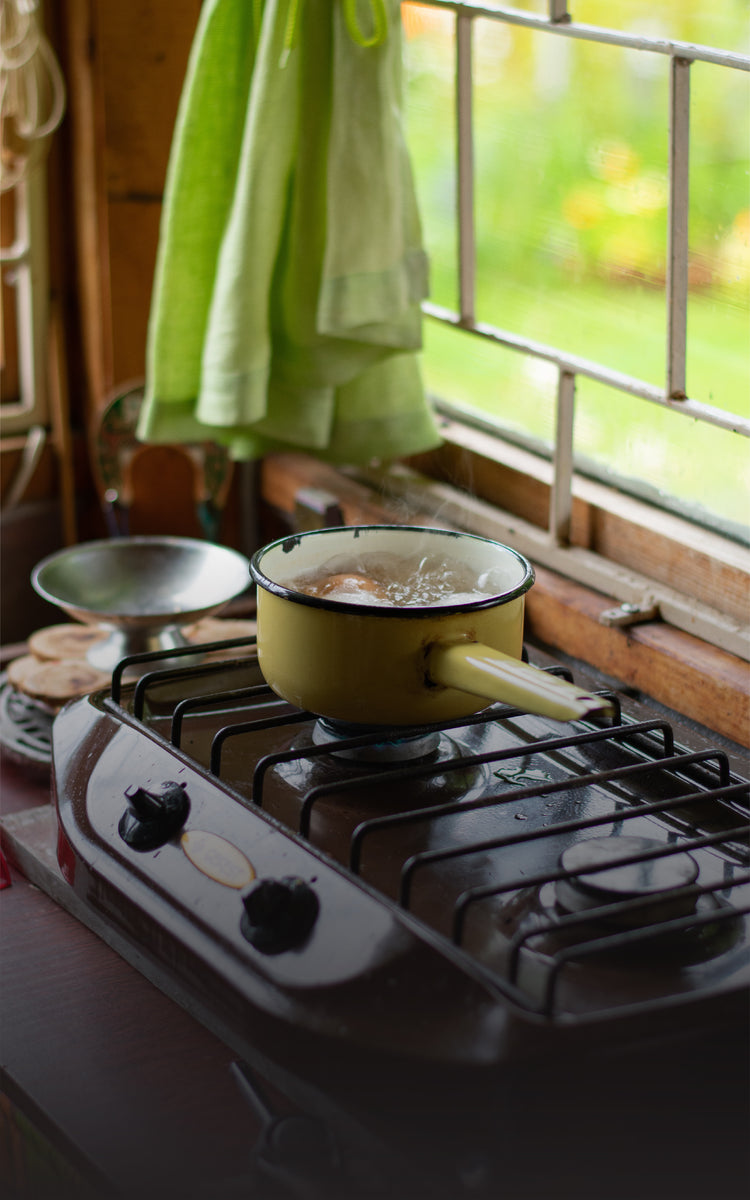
(632,533)
(675,668)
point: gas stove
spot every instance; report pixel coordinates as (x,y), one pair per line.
(440,935)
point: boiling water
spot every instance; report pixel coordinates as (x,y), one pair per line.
(387,579)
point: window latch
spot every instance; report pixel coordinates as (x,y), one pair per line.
(628,613)
(316,509)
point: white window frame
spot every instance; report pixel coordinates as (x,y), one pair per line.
(32,91)
(551,546)
(26,264)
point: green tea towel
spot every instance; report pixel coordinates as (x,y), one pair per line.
(290,270)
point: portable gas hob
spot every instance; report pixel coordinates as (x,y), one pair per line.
(448,932)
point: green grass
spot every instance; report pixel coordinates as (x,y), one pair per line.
(694,463)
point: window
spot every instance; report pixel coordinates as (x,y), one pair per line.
(24,304)
(32,100)
(588,321)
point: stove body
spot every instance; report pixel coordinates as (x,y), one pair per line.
(499,957)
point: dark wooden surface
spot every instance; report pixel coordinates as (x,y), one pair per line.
(113,1074)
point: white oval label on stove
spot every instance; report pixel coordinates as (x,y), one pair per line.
(216,857)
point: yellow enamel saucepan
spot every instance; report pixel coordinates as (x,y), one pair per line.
(376,663)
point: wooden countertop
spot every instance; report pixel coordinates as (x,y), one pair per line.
(134,1094)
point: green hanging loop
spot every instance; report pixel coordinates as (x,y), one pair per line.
(376,38)
(379,23)
(290,31)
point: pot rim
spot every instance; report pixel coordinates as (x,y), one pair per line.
(288,542)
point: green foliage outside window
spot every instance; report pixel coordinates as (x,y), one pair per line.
(571,144)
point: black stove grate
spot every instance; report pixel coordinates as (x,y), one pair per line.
(628,778)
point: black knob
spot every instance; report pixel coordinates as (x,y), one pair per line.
(153,817)
(279,914)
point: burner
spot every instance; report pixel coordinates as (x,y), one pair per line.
(328,787)
(608,870)
(25,727)
(632,912)
(409,748)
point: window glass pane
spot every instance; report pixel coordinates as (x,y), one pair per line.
(489,379)
(9,385)
(722,24)
(701,470)
(536,8)
(571,197)
(718,356)
(430,60)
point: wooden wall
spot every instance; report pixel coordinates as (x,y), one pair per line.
(124,65)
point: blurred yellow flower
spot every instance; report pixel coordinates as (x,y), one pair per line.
(629,252)
(733,257)
(583,207)
(639,195)
(614,161)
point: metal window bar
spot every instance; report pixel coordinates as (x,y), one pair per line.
(673,395)
(558,10)
(561,492)
(677,244)
(465,169)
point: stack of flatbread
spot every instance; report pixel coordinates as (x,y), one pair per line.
(55,669)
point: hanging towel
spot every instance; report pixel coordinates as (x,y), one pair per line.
(290,269)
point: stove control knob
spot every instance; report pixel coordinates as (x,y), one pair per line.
(279,914)
(153,817)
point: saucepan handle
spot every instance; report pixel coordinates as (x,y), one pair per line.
(480,670)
